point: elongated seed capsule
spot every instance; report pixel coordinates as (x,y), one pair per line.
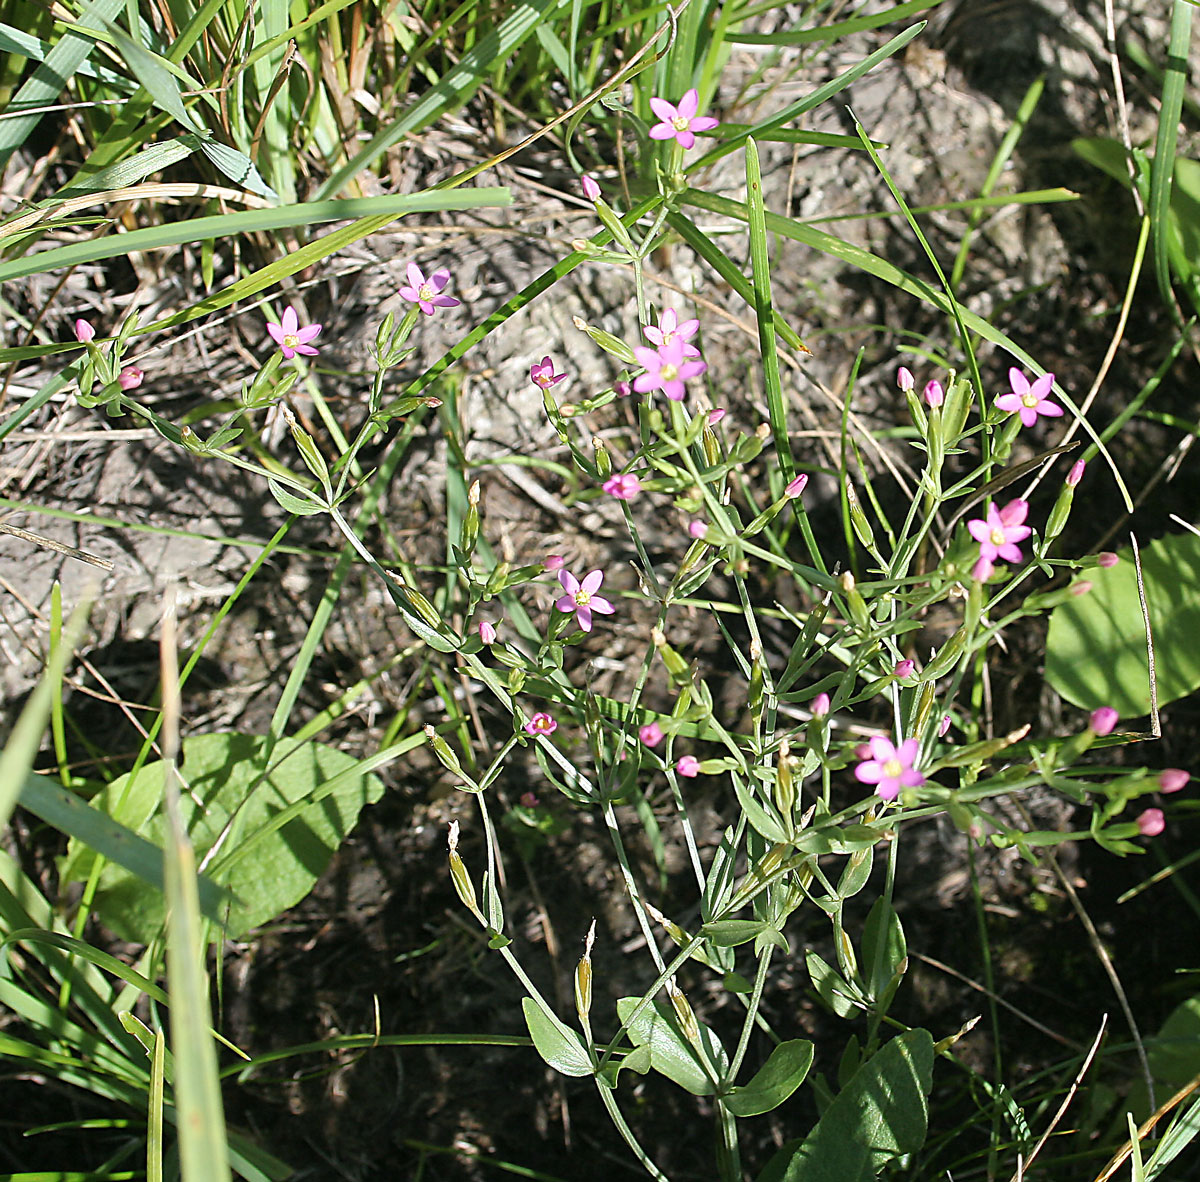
(583,978)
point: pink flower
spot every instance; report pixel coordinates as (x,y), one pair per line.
(1081,588)
(84,331)
(820,705)
(290,337)
(624,486)
(581,597)
(934,394)
(688,766)
(795,486)
(529,800)
(1172,779)
(715,416)
(543,375)
(982,570)
(889,768)
(697,529)
(591,190)
(999,534)
(1151,822)
(680,123)
(554,562)
(904,669)
(666,369)
(1103,721)
(669,329)
(905,380)
(1107,559)
(622,389)
(541,724)
(1029,401)
(651,734)
(130,378)
(1076,473)
(426,293)
(487,632)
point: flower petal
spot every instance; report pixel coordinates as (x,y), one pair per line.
(591,582)
(689,104)
(416,277)
(1018,381)
(664,110)
(289,321)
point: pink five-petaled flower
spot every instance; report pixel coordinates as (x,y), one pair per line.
(543,374)
(666,369)
(669,329)
(651,734)
(624,486)
(290,337)
(426,293)
(679,123)
(541,724)
(688,766)
(998,535)
(1029,401)
(130,378)
(889,768)
(1151,822)
(1173,779)
(581,597)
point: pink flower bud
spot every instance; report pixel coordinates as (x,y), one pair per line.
(795,486)
(904,379)
(1103,721)
(943,726)
(697,529)
(715,416)
(688,766)
(1081,588)
(1076,473)
(130,378)
(934,394)
(84,331)
(591,190)
(1172,779)
(1107,559)
(1151,822)
(487,632)
(982,570)
(554,562)
(905,669)
(651,734)
(622,389)
(820,705)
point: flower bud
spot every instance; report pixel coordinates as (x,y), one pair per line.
(1076,473)
(487,632)
(934,394)
(591,190)
(1151,822)
(651,734)
(583,978)
(1172,779)
(820,705)
(463,886)
(904,669)
(1103,721)
(1107,559)
(697,529)
(130,378)
(84,332)
(905,380)
(795,486)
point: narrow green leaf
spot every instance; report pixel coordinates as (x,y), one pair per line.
(25,739)
(775,1080)
(826,33)
(159,82)
(76,818)
(1162,170)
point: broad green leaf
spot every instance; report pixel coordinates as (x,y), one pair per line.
(222,775)
(832,987)
(1096,645)
(881,1114)
(1174,1053)
(559,1045)
(729,933)
(670,1052)
(775,1081)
